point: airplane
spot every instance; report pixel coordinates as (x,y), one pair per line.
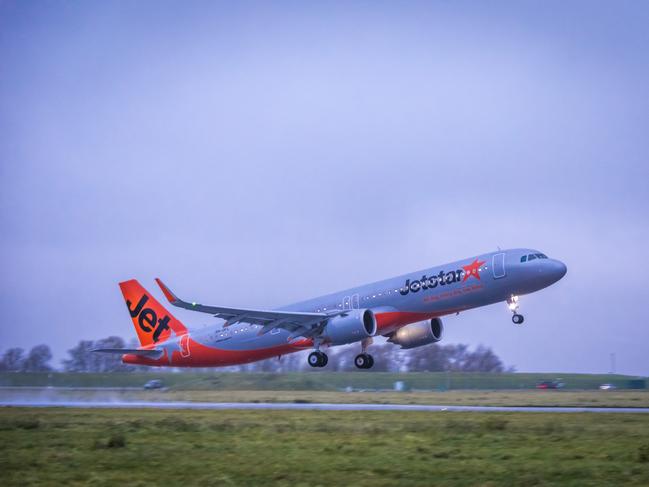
(407,310)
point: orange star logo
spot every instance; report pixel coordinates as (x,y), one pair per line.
(472,270)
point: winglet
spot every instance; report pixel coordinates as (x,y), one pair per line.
(176,301)
(171,297)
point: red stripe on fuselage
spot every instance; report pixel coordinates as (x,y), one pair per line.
(203,356)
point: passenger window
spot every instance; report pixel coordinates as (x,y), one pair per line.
(524,258)
(531,257)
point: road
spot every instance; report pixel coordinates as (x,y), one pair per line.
(308,406)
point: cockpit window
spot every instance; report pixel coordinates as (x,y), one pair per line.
(527,258)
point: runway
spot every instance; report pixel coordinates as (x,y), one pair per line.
(310,406)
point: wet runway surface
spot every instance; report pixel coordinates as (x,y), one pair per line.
(308,406)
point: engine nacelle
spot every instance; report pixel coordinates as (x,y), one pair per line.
(357,325)
(418,334)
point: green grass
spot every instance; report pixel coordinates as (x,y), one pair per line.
(150,447)
(311,380)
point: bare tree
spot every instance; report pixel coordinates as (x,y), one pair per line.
(482,359)
(80,357)
(37,360)
(109,362)
(13,360)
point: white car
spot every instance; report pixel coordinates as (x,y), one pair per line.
(607,387)
(154,384)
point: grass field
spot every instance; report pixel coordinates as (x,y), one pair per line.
(616,398)
(310,381)
(310,448)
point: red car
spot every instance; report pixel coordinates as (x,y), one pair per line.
(549,384)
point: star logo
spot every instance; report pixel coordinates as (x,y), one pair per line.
(170,345)
(472,270)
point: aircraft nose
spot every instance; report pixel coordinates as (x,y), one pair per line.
(559,269)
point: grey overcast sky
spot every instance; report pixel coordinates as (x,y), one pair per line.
(256,154)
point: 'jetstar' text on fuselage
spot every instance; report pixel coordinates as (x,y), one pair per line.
(441,279)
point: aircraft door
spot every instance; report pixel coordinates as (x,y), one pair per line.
(184,346)
(355,301)
(498,265)
(347,303)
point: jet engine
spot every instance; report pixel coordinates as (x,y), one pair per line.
(418,334)
(357,325)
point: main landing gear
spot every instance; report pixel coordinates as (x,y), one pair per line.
(512,303)
(318,359)
(364,360)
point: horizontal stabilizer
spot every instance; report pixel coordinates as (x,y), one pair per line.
(154,354)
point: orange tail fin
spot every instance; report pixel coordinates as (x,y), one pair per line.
(153,323)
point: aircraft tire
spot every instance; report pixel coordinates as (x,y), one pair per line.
(518,319)
(317,359)
(363,361)
(314,359)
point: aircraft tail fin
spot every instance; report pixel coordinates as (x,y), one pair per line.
(153,323)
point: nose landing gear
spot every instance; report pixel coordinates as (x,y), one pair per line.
(512,303)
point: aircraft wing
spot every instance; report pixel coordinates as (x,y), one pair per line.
(300,323)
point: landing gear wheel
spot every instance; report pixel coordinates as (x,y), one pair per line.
(318,359)
(314,359)
(518,319)
(363,361)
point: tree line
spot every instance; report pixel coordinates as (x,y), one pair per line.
(387,358)
(37,360)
